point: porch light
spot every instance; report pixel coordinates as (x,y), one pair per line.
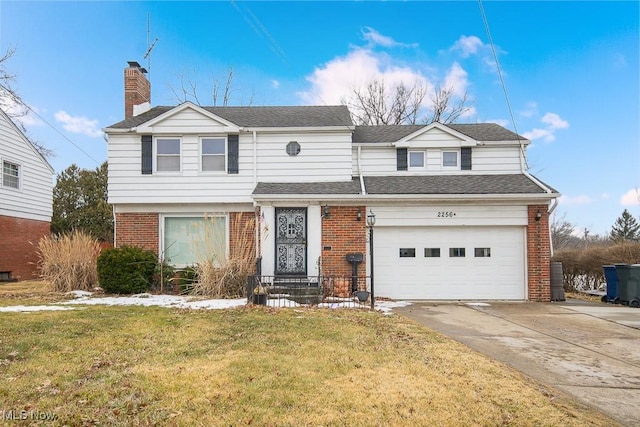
(325,211)
(371,219)
(358,216)
(538,215)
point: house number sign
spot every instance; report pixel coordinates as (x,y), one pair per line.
(446,214)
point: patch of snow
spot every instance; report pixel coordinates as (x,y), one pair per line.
(386,307)
(148,300)
(477,304)
(80,294)
(32,308)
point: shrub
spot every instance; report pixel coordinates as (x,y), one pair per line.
(126,270)
(582,268)
(220,277)
(68,261)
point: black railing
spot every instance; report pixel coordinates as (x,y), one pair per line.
(324,291)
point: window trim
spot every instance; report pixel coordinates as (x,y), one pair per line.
(19,177)
(424,160)
(155,155)
(161,231)
(457,152)
(225,140)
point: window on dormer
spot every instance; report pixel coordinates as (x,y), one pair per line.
(213,154)
(416,160)
(168,154)
(450,159)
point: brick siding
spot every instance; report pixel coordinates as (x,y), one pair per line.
(344,234)
(538,254)
(18,250)
(137,229)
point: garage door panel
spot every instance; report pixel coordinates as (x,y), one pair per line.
(498,276)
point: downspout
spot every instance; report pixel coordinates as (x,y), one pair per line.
(363,190)
(258,212)
(255,158)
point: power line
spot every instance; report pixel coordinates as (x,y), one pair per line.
(25,105)
(504,86)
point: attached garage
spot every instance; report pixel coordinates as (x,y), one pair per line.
(450,262)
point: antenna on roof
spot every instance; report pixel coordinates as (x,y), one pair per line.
(150,46)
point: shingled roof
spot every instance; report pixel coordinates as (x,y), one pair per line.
(290,116)
(414,184)
(393,133)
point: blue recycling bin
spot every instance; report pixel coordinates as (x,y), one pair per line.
(611,276)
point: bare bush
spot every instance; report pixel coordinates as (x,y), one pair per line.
(582,268)
(218,276)
(68,261)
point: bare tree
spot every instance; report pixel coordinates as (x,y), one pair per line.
(444,108)
(12,104)
(562,233)
(220,93)
(376,104)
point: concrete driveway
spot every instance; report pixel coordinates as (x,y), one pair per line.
(588,350)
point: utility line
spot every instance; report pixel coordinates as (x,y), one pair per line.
(24,104)
(504,86)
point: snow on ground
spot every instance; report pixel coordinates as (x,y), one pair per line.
(178,301)
(30,308)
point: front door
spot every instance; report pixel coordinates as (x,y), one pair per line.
(291,241)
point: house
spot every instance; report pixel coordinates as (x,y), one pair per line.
(457,215)
(26,194)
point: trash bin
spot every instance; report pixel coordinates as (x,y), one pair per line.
(623,272)
(611,277)
(557,288)
(633,286)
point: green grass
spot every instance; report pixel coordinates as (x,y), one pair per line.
(259,366)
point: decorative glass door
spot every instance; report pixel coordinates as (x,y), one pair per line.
(291,241)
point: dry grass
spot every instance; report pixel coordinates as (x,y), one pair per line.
(258,366)
(218,276)
(28,292)
(68,261)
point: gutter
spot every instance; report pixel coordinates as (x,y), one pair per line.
(362,187)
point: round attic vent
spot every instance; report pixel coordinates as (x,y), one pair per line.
(293,148)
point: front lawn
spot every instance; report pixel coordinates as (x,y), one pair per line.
(114,365)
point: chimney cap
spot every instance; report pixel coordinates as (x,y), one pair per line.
(135,64)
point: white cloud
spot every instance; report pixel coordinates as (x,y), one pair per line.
(631,198)
(467,45)
(339,77)
(374,38)
(554,121)
(18,112)
(78,124)
(575,200)
(457,80)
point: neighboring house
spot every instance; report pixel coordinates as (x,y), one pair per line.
(26,194)
(457,214)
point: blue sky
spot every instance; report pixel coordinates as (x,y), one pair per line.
(570,69)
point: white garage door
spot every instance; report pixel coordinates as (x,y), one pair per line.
(450,263)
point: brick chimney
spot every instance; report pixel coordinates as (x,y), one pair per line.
(137,89)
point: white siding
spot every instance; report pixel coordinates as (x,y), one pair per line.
(449,215)
(188,121)
(435,138)
(128,185)
(381,160)
(33,200)
(323,157)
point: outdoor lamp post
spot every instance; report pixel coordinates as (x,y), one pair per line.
(371,221)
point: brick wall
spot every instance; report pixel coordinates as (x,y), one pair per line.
(18,248)
(137,229)
(344,234)
(538,254)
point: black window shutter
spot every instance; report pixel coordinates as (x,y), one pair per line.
(465,158)
(232,153)
(147,154)
(401,154)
